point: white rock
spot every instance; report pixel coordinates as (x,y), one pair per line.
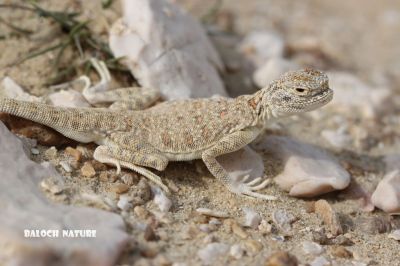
(337,138)
(260,46)
(68,98)
(35,151)
(236,251)
(212,252)
(124,202)
(348,87)
(283,220)
(312,248)
(241,163)
(308,170)
(161,200)
(387,194)
(167,49)
(395,235)
(251,218)
(271,70)
(66,166)
(11,89)
(25,207)
(212,213)
(320,261)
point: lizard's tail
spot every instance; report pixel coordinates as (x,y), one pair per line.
(61,118)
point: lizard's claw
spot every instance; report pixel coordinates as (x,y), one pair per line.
(247,188)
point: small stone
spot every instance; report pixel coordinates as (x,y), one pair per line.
(373,225)
(236,251)
(253,246)
(35,151)
(103,176)
(265,227)
(190,231)
(329,216)
(209,239)
(68,98)
(320,261)
(213,213)
(113,177)
(251,219)
(214,221)
(51,185)
(75,153)
(66,166)
(124,202)
(161,200)
(149,251)
(238,230)
(308,170)
(162,260)
(98,166)
(281,258)
(320,237)
(141,193)
(395,235)
(341,240)
(387,193)
(84,151)
(149,234)
(207,228)
(129,179)
(341,252)
(312,248)
(283,220)
(141,212)
(87,170)
(51,153)
(120,188)
(212,252)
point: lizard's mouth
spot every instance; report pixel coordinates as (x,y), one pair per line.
(317,100)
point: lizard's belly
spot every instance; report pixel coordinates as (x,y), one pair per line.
(183,156)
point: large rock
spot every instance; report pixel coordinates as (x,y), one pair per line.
(167,49)
(308,170)
(387,194)
(24,207)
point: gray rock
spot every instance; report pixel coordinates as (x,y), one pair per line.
(387,194)
(308,170)
(166,48)
(24,207)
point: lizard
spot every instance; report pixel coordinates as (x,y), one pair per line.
(180,130)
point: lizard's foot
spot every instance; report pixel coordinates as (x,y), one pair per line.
(245,188)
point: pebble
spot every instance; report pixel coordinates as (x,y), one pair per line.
(207,228)
(120,188)
(51,185)
(238,230)
(329,216)
(320,261)
(212,213)
(35,151)
(373,225)
(75,153)
(66,166)
(149,234)
(395,235)
(341,252)
(141,212)
(68,98)
(387,194)
(308,170)
(209,239)
(142,192)
(189,231)
(129,179)
(212,252)
(281,258)
(236,251)
(271,70)
(214,221)
(124,202)
(265,227)
(161,200)
(51,153)
(103,176)
(260,46)
(253,246)
(98,166)
(283,220)
(87,170)
(252,219)
(312,248)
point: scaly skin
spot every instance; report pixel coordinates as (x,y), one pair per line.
(180,130)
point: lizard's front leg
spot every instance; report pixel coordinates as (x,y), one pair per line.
(231,143)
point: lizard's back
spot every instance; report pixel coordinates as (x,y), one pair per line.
(185,126)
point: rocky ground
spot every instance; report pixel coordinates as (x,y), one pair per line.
(355,145)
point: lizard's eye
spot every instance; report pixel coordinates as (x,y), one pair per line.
(301,91)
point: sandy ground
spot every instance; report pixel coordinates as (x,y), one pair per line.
(357,36)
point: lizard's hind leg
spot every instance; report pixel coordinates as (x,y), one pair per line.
(134,161)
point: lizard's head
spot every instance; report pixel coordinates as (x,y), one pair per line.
(296,92)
